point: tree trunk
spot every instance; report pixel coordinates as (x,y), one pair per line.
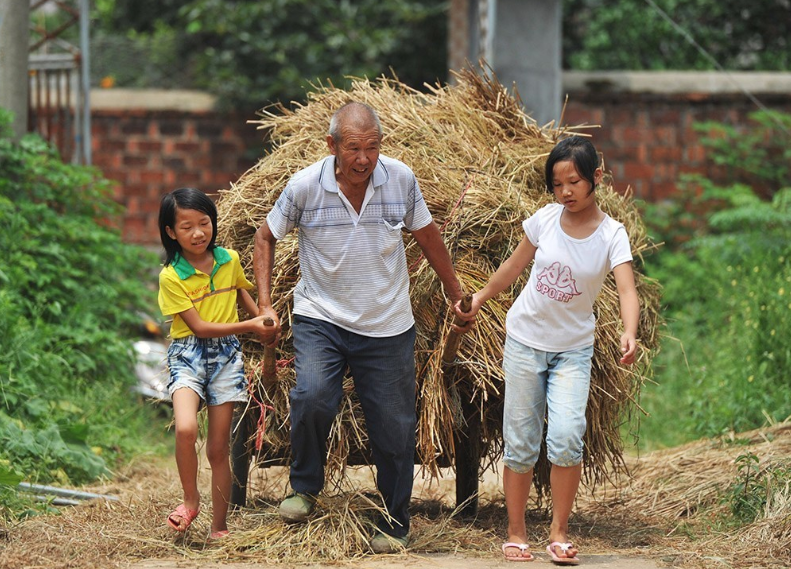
(14,37)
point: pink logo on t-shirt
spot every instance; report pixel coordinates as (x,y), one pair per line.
(556,282)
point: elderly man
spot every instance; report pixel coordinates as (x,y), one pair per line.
(352,308)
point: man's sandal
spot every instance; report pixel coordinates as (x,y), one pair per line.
(182,514)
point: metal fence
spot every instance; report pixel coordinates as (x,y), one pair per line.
(59,87)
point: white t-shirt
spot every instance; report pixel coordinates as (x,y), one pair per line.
(354,271)
(554,312)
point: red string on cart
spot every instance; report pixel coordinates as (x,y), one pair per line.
(260,427)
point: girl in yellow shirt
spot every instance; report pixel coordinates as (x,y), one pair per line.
(201,286)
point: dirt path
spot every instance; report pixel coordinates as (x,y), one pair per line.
(671,514)
(419,562)
(130,532)
(639,557)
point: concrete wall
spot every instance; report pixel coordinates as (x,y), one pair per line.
(152,142)
(526,53)
(520,40)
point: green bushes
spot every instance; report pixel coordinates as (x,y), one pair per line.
(70,292)
(757,492)
(252,53)
(726,272)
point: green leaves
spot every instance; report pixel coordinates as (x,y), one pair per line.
(46,453)
(749,213)
(253,53)
(755,488)
(9,477)
(630,34)
(726,273)
(70,293)
(758,156)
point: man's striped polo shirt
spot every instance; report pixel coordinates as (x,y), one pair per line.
(354,271)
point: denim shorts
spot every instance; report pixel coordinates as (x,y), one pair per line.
(542,384)
(212,367)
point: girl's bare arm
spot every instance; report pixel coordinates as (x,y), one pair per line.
(205,329)
(502,278)
(630,310)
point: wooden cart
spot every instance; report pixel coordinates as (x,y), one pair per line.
(467,442)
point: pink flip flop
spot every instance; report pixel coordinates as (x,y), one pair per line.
(187,515)
(564,547)
(522,547)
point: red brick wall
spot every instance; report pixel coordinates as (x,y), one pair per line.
(647,142)
(149,153)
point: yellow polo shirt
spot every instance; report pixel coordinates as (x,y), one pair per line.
(182,287)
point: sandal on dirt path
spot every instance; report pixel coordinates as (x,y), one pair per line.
(522,547)
(181,513)
(564,547)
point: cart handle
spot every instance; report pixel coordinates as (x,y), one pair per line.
(454,338)
(269,373)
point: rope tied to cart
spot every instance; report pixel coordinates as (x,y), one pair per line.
(269,367)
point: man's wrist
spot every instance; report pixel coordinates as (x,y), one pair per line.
(456,293)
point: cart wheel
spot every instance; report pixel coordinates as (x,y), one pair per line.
(468,458)
(240,457)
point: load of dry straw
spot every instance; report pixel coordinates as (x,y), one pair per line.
(479,160)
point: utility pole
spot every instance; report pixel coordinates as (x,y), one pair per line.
(520,40)
(14,30)
(526,44)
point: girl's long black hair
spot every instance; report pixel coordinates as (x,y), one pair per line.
(183,198)
(580,152)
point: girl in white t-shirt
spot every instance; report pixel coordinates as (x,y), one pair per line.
(549,337)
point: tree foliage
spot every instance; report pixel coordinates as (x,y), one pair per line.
(631,34)
(69,294)
(726,273)
(254,52)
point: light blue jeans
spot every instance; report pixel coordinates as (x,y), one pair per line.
(542,384)
(211,367)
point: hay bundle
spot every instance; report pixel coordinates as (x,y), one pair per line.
(479,161)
